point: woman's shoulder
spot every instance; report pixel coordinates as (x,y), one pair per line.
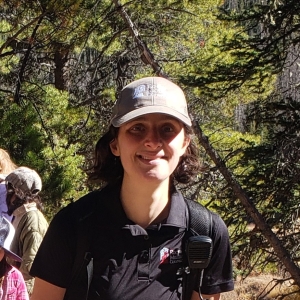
(14,273)
(34,218)
(85,206)
(91,200)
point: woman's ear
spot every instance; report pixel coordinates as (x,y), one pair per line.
(114,147)
(186,143)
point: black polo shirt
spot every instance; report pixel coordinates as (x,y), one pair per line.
(131,262)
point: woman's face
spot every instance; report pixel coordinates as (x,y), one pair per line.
(150,147)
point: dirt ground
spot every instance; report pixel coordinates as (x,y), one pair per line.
(252,288)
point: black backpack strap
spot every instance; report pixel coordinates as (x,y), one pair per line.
(199,223)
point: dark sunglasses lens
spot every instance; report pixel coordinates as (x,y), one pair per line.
(9,188)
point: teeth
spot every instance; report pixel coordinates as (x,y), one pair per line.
(144,157)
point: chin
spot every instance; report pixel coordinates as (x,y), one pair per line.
(155,178)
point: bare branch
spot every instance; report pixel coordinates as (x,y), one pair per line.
(146,55)
(22,70)
(6,44)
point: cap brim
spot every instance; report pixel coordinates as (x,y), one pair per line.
(117,122)
(12,255)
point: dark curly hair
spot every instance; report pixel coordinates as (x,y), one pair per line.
(108,168)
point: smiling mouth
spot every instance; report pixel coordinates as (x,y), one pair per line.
(148,158)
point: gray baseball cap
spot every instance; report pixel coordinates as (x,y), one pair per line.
(150,95)
(25,181)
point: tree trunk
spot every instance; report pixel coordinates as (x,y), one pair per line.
(60,59)
(250,208)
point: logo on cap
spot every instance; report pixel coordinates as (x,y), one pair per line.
(147,90)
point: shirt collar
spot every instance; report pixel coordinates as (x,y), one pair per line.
(25,208)
(21,211)
(178,212)
(177,216)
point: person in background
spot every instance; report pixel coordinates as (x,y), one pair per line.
(6,166)
(137,249)
(12,285)
(24,203)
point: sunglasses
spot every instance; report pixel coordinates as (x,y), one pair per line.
(9,188)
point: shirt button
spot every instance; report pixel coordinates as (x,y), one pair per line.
(146,237)
(144,257)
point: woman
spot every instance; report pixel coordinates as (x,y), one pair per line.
(12,285)
(6,166)
(24,204)
(137,254)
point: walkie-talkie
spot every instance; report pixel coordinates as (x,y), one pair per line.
(199,251)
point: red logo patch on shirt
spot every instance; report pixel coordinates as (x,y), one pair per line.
(164,256)
(170,256)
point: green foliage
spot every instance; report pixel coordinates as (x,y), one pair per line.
(231,66)
(230,145)
(269,172)
(37,137)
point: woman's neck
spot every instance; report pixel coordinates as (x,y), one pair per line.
(145,204)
